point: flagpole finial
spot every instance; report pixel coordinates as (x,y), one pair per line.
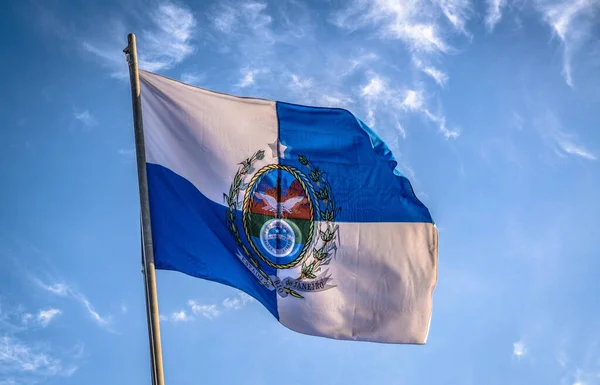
(128,51)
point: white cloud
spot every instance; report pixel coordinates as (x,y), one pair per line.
(226,19)
(17,356)
(413,100)
(558,138)
(440,120)
(208,311)
(193,78)
(298,83)
(581,366)
(169,41)
(572,22)
(211,311)
(456,11)
(249,76)
(181,316)
(30,361)
(379,95)
(124,308)
(238,302)
(574,149)
(440,77)
(359,62)
(61,289)
(374,88)
(57,288)
(45,316)
(337,100)
(370,117)
(164,43)
(100,320)
(402,132)
(519,348)
(494,13)
(422,25)
(244,18)
(26,318)
(415,23)
(85,117)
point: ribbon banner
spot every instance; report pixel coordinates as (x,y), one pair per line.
(275,283)
(314,285)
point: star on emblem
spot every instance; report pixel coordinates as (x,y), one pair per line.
(278,148)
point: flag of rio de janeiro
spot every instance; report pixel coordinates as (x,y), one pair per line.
(300,207)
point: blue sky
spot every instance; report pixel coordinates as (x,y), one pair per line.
(491,108)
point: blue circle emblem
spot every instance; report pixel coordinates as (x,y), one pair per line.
(278,238)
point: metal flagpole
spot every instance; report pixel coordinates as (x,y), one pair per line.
(147,252)
(148,318)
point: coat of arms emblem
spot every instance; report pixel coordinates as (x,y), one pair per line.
(288,222)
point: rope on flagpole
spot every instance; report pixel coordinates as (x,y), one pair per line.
(147,246)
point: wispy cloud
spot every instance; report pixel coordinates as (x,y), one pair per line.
(85,117)
(413,100)
(440,121)
(249,76)
(166,41)
(236,303)
(572,21)
(181,316)
(580,364)
(437,75)
(440,77)
(559,139)
(247,20)
(193,78)
(375,93)
(336,99)
(359,62)
(26,318)
(31,361)
(44,317)
(374,88)
(299,85)
(519,348)
(20,320)
(379,95)
(62,289)
(208,311)
(457,12)
(415,23)
(423,27)
(56,288)
(100,320)
(494,13)
(18,356)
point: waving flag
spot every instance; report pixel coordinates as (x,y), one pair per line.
(300,207)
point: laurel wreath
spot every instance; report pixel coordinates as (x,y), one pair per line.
(325,246)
